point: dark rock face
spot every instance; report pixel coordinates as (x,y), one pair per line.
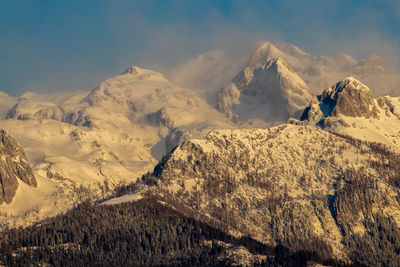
(13,166)
(348,97)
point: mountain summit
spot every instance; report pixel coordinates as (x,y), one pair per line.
(268,90)
(349,108)
(349,97)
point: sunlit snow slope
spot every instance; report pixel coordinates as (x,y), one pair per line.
(85,144)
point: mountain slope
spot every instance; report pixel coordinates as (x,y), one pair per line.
(286,184)
(124,234)
(321,72)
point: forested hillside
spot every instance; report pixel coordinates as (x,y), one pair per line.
(137,233)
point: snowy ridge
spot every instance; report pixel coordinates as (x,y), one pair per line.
(321,72)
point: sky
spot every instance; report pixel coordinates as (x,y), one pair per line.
(56,45)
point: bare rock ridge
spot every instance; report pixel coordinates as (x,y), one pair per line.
(348,97)
(14,167)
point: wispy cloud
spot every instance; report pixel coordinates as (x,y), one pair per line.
(53,45)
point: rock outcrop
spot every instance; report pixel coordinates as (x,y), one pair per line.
(14,167)
(349,108)
(348,97)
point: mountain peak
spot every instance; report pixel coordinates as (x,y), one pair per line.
(351,83)
(137,73)
(271,91)
(134,70)
(264,53)
(348,97)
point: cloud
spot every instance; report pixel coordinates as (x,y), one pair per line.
(75,45)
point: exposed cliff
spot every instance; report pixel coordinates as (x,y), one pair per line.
(14,167)
(348,97)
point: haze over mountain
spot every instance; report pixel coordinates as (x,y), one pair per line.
(205,72)
(47,47)
(316,72)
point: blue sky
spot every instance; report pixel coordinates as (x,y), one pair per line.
(53,45)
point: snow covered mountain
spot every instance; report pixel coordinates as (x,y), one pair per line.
(348,107)
(321,72)
(210,71)
(278,81)
(326,182)
(269,91)
(84,145)
(291,184)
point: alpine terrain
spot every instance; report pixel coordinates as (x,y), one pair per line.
(285,160)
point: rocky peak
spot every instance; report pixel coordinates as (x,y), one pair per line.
(348,97)
(133,70)
(14,167)
(141,73)
(272,92)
